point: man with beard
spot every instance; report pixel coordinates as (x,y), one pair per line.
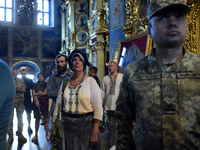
(56,79)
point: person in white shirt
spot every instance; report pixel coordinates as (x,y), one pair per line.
(110,92)
(82,106)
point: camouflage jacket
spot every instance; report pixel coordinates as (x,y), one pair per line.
(19,83)
(164,103)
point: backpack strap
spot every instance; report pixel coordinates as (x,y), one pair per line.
(65,82)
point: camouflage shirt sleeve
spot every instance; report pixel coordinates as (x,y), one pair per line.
(19,83)
(124,137)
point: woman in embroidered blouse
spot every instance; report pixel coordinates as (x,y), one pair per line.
(82,106)
(41,105)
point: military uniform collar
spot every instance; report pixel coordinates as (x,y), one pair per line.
(155,66)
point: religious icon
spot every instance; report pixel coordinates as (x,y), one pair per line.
(82,37)
(82,6)
(81,20)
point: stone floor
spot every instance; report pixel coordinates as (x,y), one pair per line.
(42,143)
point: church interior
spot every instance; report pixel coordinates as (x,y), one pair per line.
(34,32)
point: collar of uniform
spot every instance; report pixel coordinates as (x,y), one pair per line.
(189,63)
(155,66)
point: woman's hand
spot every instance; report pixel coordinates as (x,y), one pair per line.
(94,139)
(94,136)
(37,103)
(35,94)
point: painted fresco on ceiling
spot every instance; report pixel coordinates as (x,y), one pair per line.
(117,22)
(3,41)
(25,42)
(51,44)
(47,68)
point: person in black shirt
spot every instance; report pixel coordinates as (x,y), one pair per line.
(93,73)
(27,97)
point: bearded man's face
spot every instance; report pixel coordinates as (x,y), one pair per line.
(61,64)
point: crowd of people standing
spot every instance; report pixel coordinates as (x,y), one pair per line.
(42,97)
(82,101)
(153,105)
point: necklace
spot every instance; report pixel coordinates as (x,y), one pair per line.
(75,85)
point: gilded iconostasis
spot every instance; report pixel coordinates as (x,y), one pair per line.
(105,29)
(135,29)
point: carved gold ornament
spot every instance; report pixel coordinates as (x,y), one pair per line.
(136,17)
(137,23)
(192,42)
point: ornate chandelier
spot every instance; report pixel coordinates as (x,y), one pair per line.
(26,12)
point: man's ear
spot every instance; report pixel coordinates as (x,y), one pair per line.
(149,32)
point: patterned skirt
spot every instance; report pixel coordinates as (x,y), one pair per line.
(44,105)
(77,132)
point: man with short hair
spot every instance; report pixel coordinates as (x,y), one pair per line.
(93,73)
(27,97)
(20,87)
(56,79)
(160,92)
(110,92)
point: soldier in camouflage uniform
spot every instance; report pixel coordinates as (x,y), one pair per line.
(160,92)
(19,105)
